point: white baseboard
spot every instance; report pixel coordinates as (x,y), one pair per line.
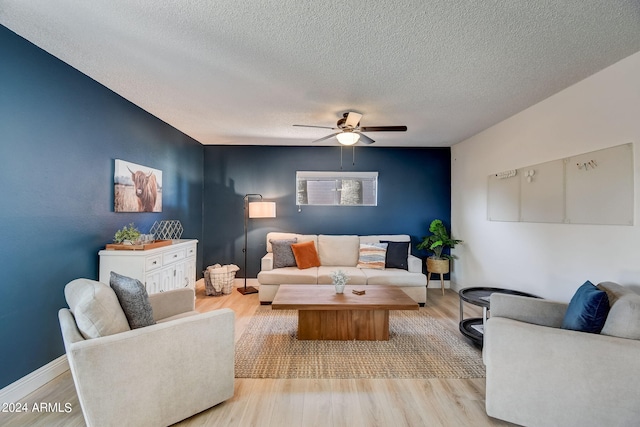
(26,385)
(435,284)
(238,282)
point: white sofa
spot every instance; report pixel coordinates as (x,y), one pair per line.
(341,253)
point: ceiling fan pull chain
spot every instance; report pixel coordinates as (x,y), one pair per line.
(341,157)
(354,154)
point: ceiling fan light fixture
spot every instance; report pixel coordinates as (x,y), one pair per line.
(350,132)
(348,138)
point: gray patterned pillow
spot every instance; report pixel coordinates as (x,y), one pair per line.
(282,253)
(133,299)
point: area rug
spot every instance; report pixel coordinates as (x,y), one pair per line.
(420,346)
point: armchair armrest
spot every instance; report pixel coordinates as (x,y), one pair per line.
(171,303)
(526,309)
(266,263)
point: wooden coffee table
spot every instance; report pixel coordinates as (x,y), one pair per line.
(325,315)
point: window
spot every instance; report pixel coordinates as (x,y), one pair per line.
(337,188)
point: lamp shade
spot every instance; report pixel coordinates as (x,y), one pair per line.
(262,210)
(348,138)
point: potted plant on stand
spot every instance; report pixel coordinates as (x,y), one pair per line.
(436,242)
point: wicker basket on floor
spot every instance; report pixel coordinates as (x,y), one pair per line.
(218,280)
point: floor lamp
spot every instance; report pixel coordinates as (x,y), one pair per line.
(254,210)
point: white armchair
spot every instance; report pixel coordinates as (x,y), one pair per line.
(539,374)
(151,376)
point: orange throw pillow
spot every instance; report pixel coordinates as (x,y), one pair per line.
(305,254)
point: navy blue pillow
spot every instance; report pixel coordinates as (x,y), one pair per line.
(396,255)
(587,310)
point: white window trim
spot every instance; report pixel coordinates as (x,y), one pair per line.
(337,176)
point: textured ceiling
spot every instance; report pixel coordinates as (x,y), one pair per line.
(245,71)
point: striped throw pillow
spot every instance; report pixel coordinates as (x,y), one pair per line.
(372,255)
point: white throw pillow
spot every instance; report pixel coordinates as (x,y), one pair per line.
(95,308)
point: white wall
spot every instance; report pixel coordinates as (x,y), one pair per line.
(550,260)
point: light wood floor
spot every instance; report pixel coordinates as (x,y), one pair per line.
(308,402)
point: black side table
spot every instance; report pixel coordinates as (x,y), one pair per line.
(473,327)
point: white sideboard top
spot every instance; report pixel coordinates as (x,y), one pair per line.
(178,243)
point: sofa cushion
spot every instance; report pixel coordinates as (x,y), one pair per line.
(305,254)
(134,300)
(96,308)
(587,309)
(397,254)
(372,255)
(282,253)
(385,238)
(394,277)
(277,235)
(289,275)
(356,276)
(623,320)
(341,251)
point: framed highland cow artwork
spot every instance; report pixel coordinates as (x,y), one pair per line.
(137,188)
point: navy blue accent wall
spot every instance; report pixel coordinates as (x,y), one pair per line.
(60,132)
(414,187)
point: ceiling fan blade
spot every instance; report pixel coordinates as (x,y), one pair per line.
(365,139)
(383,129)
(310,126)
(326,137)
(353,119)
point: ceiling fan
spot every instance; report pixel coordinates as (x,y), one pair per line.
(350,130)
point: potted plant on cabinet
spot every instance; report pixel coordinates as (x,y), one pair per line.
(436,242)
(127,235)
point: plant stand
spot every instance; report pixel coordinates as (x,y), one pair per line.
(438,266)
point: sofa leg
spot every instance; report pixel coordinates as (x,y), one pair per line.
(421,304)
(265,302)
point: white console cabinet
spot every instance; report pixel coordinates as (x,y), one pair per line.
(160,269)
